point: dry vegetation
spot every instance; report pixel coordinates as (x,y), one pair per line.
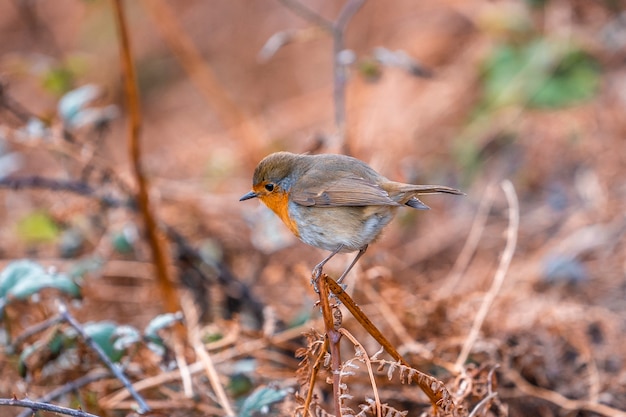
(519,103)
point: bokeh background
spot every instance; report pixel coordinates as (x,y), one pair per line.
(466,94)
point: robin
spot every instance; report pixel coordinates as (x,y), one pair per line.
(333,202)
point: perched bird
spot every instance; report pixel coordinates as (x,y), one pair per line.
(333,202)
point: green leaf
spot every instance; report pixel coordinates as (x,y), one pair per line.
(103,334)
(212,337)
(260,400)
(575,79)
(21,279)
(161,321)
(239,384)
(124,241)
(17,271)
(540,73)
(111,337)
(35,283)
(125,337)
(74,101)
(58,80)
(37,227)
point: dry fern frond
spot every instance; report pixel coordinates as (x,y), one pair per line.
(387,410)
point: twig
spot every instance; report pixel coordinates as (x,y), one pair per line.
(225,355)
(308,14)
(560,400)
(334,337)
(368,364)
(314,370)
(389,315)
(337,29)
(75,187)
(57,142)
(191,318)
(39,327)
(464,258)
(482,403)
(168,291)
(491,395)
(7,102)
(503,267)
(434,389)
(340,69)
(34,405)
(183,368)
(67,388)
(235,290)
(143,407)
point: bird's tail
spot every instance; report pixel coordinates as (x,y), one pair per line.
(428,189)
(406,193)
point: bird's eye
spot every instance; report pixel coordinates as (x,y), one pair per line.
(269,187)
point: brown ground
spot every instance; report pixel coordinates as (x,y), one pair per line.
(206,123)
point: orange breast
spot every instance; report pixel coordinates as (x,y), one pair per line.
(279,203)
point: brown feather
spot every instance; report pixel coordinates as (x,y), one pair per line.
(342,192)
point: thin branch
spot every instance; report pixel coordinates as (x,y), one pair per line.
(75,187)
(67,388)
(368,364)
(347,12)
(308,14)
(389,315)
(236,290)
(143,407)
(222,356)
(191,318)
(38,406)
(14,107)
(334,337)
(491,395)
(464,258)
(168,291)
(498,280)
(559,400)
(39,327)
(434,389)
(314,371)
(483,403)
(340,70)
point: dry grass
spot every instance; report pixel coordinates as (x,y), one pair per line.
(544,337)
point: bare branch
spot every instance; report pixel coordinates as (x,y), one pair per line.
(67,388)
(39,406)
(143,406)
(309,15)
(505,261)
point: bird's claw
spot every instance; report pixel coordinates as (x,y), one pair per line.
(315,278)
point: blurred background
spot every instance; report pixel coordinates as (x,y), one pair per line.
(459,93)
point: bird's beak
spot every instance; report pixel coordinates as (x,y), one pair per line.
(248,196)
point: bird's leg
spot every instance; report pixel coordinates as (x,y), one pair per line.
(317,271)
(354,261)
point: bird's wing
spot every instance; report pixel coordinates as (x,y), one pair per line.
(345,191)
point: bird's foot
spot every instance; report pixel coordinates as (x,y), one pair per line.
(315,277)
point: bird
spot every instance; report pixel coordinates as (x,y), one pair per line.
(333,202)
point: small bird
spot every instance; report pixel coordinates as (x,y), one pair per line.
(333,202)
